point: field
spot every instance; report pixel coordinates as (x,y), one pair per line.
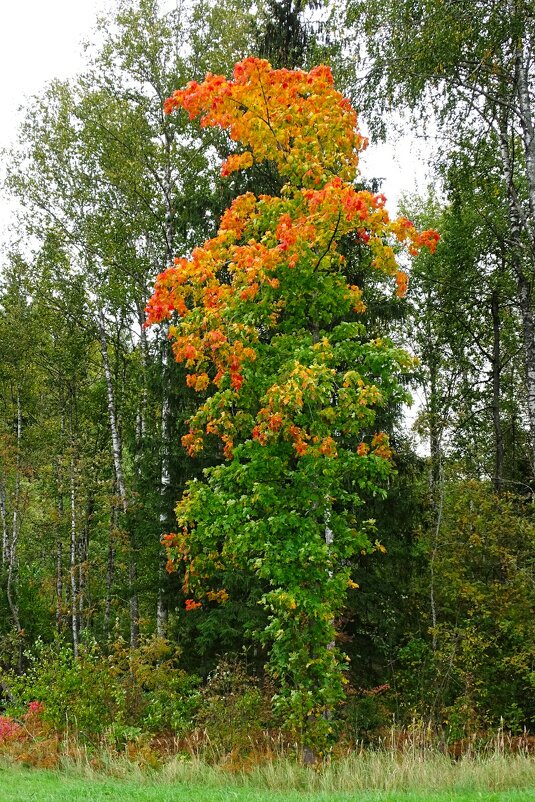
(494,779)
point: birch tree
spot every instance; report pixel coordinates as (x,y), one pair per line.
(472,65)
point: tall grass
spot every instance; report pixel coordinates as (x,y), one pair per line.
(377,770)
(382,769)
(411,760)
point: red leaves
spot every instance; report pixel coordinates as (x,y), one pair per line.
(402,282)
(428,239)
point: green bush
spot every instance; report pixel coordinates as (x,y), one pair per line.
(136,691)
(235,710)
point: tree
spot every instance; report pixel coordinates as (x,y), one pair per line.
(478,672)
(283,36)
(474,66)
(265,318)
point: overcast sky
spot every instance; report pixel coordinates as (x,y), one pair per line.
(41,40)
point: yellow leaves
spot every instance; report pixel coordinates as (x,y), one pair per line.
(352,377)
(381,446)
(199,382)
(284,600)
(328,447)
(238,214)
(355,296)
(328,414)
(352,585)
(219,596)
(294,118)
(369,395)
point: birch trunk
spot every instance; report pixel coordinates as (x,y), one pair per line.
(527,127)
(522,282)
(165,486)
(112,416)
(110,573)
(59,586)
(3,516)
(12,542)
(73,551)
(165,475)
(496,392)
(121,486)
(83,551)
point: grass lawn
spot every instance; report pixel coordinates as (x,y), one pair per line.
(19,785)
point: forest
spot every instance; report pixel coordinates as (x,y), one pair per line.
(267,449)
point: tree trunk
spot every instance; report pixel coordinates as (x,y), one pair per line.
(13,541)
(121,487)
(496,392)
(166,509)
(166,503)
(110,573)
(434,429)
(5,530)
(112,416)
(73,554)
(83,553)
(59,586)
(522,283)
(527,127)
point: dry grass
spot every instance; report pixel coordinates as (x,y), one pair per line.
(408,761)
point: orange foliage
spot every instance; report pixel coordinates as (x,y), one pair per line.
(299,122)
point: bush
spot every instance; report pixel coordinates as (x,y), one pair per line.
(140,690)
(235,711)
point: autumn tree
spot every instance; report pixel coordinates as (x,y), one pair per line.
(265,317)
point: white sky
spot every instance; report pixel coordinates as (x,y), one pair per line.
(41,40)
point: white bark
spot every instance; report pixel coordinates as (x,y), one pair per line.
(527,127)
(110,573)
(3,516)
(59,586)
(112,416)
(165,475)
(73,550)
(165,484)
(12,542)
(119,477)
(524,293)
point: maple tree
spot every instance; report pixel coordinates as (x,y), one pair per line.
(265,318)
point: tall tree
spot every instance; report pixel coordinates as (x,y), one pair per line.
(474,65)
(101,163)
(267,327)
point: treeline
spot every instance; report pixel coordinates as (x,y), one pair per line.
(94,405)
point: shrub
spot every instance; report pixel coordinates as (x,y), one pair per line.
(140,690)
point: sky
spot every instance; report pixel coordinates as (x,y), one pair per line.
(41,40)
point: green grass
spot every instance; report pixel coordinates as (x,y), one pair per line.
(372,778)
(47,786)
